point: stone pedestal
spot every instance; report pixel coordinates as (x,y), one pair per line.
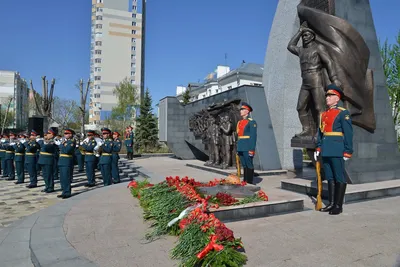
(376,156)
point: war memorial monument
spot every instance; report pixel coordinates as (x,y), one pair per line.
(344,51)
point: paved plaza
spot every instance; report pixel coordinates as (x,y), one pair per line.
(105,227)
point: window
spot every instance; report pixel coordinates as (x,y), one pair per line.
(133,23)
(133,48)
(97,69)
(99,1)
(98,43)
(133,15)
(99,26)
(96,95)
(99,34)
(133,31)
(97,60)
(99,17)
(97,86)
(133,65)
(99,9)
(97,52)
(97,78)
(133,73)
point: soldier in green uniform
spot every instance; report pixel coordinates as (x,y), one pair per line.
(106,156)
(39,140)
(129,142)
(67,150)
(10,154)
(46,160)
(56,157)
(90,159)
(115,157)
(19,158)
(30,158)
(247,139)
(4,141)
(335,144)
(80,158)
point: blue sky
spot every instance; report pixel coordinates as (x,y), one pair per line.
(185,39)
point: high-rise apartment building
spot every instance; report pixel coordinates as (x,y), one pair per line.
(14,94)
(116,47)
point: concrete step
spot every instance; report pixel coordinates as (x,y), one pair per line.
(354,192)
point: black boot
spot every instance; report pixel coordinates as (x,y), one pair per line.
(339,198)
(245,171)
(331,196)
(250,177)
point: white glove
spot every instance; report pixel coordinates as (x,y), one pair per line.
(57,142)
(2,140)
(345,159)
(23,141)
(13,143)
(316,154)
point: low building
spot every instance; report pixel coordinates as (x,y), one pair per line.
(14,93)
(223,79)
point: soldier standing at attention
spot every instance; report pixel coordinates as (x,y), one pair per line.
(90,159)
(39,140)
(115,158)
(46,160)
(335,144)
(106,157)
(80,158)
(129,142)
(19,159)
(3,156)
(66,160)
(56,157)
(247,139)
(10,154)
(31,160)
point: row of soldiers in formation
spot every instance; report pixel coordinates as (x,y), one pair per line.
(54,155)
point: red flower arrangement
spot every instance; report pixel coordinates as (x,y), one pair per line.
(225,199)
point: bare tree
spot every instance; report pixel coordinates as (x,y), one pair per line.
(10,99)
(44,105)
(82,108)
(64,110)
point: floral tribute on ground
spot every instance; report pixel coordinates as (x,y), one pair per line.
(175,207)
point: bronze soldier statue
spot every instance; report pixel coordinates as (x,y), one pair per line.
(313,59)
(228,140)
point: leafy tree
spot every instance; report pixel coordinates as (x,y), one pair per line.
(127,96)
(146,134)
(391,65)
(186,96)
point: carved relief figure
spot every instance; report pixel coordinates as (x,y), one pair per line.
(228,140)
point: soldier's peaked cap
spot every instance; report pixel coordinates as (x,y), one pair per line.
(105,130)
(33,132)
(332,89)
(69,131)
(246,106)
(91,132)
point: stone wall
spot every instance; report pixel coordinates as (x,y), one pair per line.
(174,128)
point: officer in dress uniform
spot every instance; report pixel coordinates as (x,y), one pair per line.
(65,162)
(30,158)
(80,158)
(129,142)
(246,145)
(56,157)
(10,154)
(106,157)
(90,159)
(2,155)
(335,144)
(19,159)
(46,160)
(115,157)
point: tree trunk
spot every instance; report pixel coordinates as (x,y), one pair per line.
(5,116)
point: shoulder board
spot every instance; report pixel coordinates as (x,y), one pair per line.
(341,108)
(250,119)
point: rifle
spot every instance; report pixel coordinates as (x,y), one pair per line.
(318,203)
(238,165)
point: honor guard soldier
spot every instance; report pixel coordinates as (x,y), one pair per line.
(106,156)
(39,140)
(66,162)
(115,158)
(56,157)
(90,159)
(46,160)
(10,154)
(19,159)
(129,142)
(3,155)
(335,144)
(30,158)
(246,145)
